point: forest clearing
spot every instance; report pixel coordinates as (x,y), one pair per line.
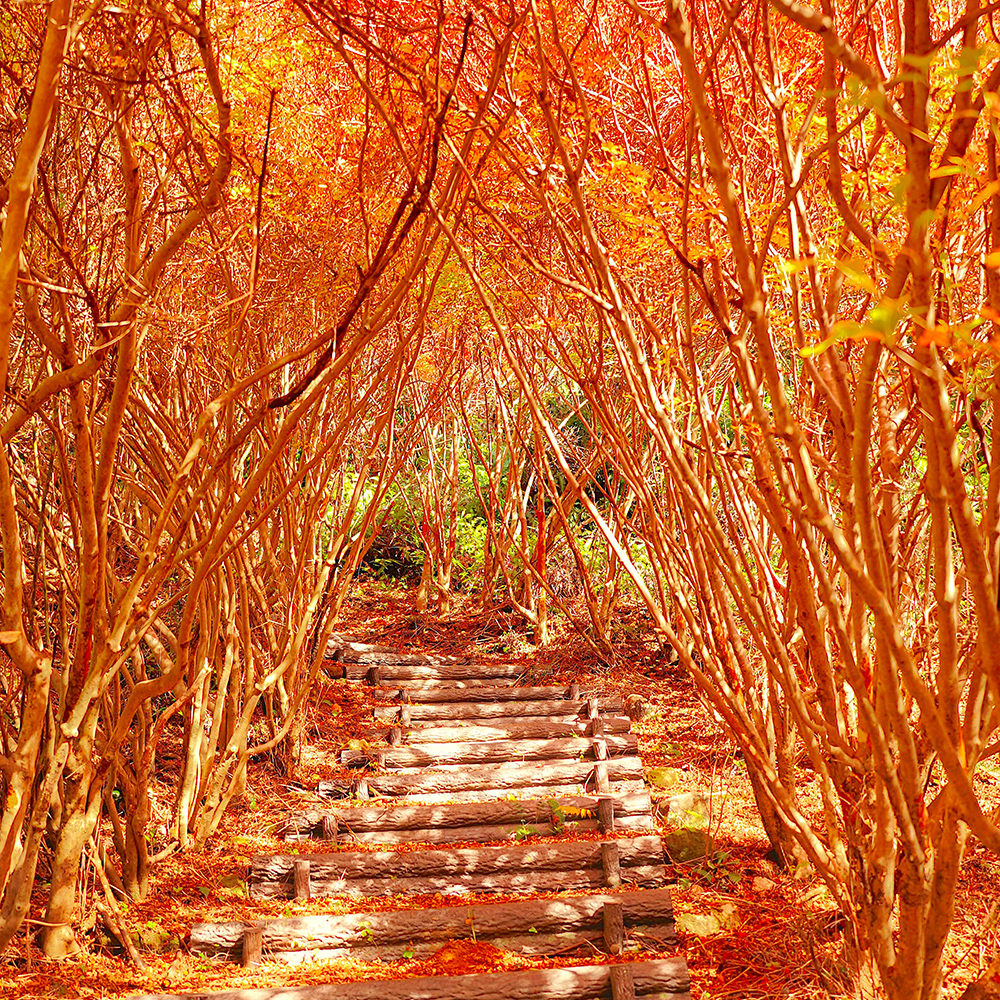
(569,424)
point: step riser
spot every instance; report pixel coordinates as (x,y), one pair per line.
(568,710)
(473,860)
(529,791)
(650,909)
(666,978)
(427,694)
(528,729)
(482,834)
(501,751)
(454,815)
(568,880)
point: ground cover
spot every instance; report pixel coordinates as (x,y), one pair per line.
(747,929)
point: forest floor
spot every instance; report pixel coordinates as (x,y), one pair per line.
(780,934)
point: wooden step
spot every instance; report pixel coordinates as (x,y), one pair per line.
(502,729)
(447,778)
(532,792)
(468,721)
(563,709)
(490,683)
(435,693)
(545,925)
(434,754)
(455,819)
(492,834)
(378,669)
(526,867)
(665,978)
(343,648)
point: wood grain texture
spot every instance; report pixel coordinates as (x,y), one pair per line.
(437,693)
(487,834)
(622,984)
(502,729)
(515,857)
(649,908)
(663,978)
(532,867)
(432,754)
(420,710)
(426,669)
(525,791)
(410,817)
(508,775)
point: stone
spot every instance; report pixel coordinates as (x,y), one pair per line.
(722,918)
(761,884)
(698,924)
(667,777)
(155,937)
(636,707)
(687,810)
(687,845)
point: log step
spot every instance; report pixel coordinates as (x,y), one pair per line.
(534,868)
(493,794)
(665,978)
(510,775)
(572,879)
(342,648)
(434,754)
(417,726)
(315,823)
(562,709)
(546,925)
(489,683)
(515,729)
(438,693)
(489,834)
(378,668)
(481,834)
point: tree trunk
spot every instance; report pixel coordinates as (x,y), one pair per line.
(786,851)
(81,807)
(425,585)
(540,633)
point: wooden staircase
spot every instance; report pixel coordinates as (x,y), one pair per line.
(470,756)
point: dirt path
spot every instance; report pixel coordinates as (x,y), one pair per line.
(480,785)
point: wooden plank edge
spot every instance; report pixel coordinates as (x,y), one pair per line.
(549,880)
(667,977)
(639,909)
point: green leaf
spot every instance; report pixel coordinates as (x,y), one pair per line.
(949,170)
(845,329)
(886,316)
(854,270)
(234,884)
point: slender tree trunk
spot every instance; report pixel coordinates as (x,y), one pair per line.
(81,807)
(423,591)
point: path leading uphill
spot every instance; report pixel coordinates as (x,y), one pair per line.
(472,756)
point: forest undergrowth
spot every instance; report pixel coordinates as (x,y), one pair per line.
(781,933)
